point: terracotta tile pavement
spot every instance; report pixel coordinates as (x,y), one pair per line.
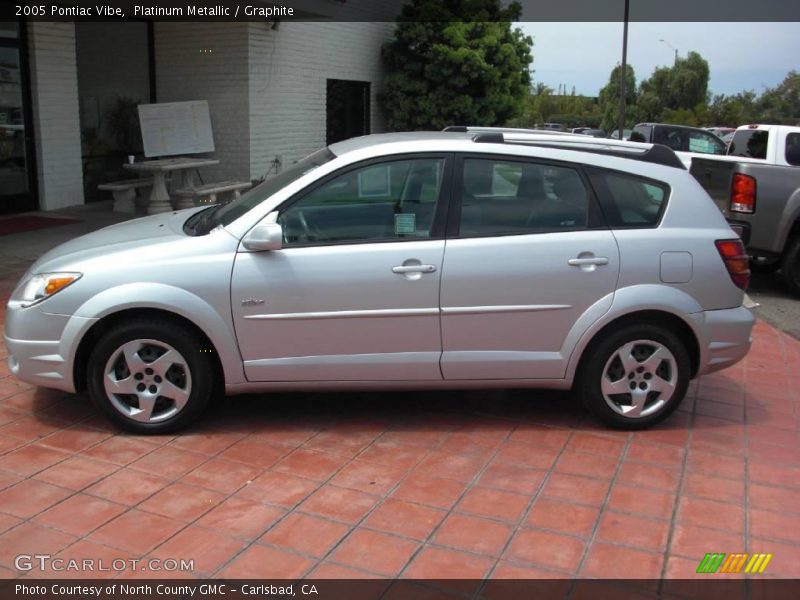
(415,485)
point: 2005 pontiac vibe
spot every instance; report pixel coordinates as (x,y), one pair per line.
(465,258)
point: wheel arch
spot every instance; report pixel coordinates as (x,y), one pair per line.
(662,318)
(109,321)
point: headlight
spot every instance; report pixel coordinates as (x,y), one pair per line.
(44,285)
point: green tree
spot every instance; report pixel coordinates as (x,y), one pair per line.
(442,71)
(683,86)
(609,99)
(781,104)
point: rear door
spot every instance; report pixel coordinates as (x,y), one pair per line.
(527,257)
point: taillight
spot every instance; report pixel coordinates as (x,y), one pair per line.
(736,261)
(743,193)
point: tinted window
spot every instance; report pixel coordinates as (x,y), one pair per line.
(630,201)
(640,133)
(793,149)
(749,142)
(386,201)
(671,137)
(504,197)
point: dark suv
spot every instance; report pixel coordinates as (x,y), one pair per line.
(680,138)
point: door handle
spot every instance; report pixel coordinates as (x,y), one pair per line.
(414,269)
(580,262)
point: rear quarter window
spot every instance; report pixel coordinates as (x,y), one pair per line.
(793,149)
(750,143)
(629,201)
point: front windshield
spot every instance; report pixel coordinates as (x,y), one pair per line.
(230,212)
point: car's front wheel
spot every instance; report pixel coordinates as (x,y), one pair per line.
(150,376)
(635,377)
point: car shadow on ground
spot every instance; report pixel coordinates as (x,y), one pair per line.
(479,411)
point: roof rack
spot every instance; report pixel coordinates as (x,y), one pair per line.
(509,130)
(655,153)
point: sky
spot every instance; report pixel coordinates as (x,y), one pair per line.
(741,56)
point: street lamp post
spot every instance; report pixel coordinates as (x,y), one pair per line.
(623,72)
(673,48)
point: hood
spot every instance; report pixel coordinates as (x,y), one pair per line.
(115,238)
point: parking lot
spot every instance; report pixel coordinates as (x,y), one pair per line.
(509,484)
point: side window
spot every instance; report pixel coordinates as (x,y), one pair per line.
(387,201)
(630,201)
(640,133)
(793,149)
(507,197)
(671,137)
(705,144)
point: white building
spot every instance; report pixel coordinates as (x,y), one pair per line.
(276,92)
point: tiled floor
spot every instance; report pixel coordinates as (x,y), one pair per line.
(418,485)
(505,484)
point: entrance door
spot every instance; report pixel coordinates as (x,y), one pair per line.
(16,149)
(347,110)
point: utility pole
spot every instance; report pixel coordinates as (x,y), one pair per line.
(623,73)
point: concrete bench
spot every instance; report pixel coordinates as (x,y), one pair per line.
(124,192)
(207,193)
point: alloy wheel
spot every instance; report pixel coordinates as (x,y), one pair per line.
(147,380)
(639,378)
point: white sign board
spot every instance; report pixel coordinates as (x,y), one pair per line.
(172,128)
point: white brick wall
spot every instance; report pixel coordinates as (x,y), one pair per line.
(184,72)
(54,89)
(288,72)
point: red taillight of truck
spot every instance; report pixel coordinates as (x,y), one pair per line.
(743,194)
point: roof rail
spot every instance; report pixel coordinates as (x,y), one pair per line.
(489,138)
(656,153)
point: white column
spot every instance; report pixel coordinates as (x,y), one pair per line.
(56,118)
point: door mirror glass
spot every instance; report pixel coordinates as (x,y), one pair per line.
(266,236)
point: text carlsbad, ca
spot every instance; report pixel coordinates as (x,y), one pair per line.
(154,10)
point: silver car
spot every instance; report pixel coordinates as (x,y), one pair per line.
(458,259)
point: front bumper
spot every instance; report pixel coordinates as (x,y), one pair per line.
(727,337)
(38,363)
(41,346)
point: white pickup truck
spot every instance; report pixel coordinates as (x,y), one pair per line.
(757,187)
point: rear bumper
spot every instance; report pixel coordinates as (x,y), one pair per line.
(727,337)
(742,229)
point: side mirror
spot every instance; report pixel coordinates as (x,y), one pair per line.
(266,236)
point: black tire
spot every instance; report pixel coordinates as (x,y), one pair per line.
(602,366)
(790,265)
(190,377)
(764,267)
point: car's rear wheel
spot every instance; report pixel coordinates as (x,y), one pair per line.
(635,377)
(150,376)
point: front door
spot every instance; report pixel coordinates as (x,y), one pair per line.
(353,295)
(16,149)
(531,259)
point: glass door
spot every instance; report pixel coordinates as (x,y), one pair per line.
(16,173)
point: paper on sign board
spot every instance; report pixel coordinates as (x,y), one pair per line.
(174,128)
